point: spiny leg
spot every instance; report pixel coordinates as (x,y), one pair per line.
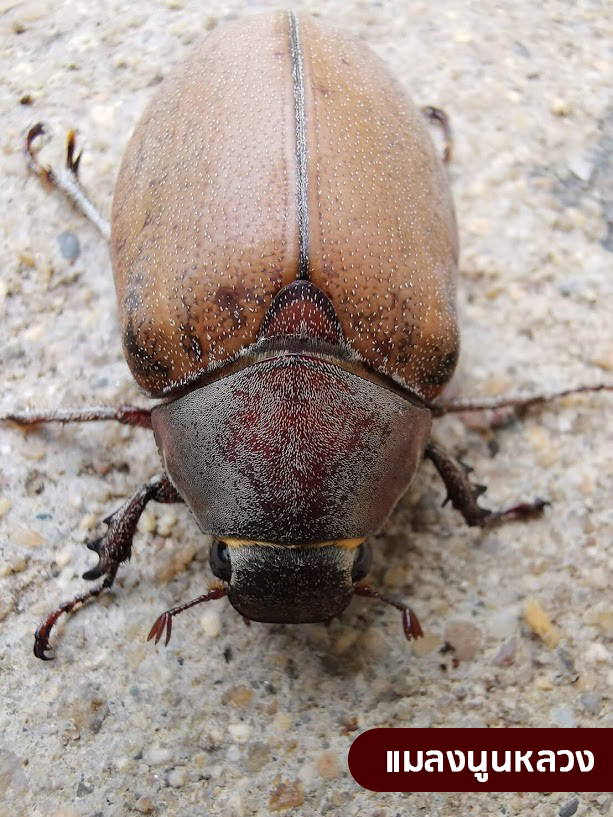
(113,548)
(518,403)
(439,116)
(126,415)
(68,180)
(464,494)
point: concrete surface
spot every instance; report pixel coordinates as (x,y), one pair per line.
(230,720)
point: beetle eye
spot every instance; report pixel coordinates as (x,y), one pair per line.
(219,559)
(361,562)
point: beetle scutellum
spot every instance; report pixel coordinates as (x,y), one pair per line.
(285,254)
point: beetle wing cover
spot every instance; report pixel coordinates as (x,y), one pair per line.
(283,149)
(204,227)
(382,233)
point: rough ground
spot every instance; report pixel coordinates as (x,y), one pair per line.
(236,721)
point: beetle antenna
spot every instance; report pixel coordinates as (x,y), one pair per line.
(410,622)
(164,622)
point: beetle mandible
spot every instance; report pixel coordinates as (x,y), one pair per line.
(285,255)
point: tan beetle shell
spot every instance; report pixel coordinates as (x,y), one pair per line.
(210,218)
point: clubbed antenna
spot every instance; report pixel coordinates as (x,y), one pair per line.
(164,622)
(410,622)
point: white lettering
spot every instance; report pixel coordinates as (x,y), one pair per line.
(418,766)
(571,760)
(505,767)
(456,767)
(547,757)
(393,761)
(519,759)
(590,760)
(436,758)
(480,770)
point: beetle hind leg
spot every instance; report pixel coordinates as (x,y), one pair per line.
(464,495)
(439,116)
(124,414)
(68,180)
(113,548)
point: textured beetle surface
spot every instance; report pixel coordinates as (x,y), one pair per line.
(285,254)
(282,150)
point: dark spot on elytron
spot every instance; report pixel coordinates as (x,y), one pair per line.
(229,300)
(132,300)
(404,347)
(191,345)
(444,370)
(143,359)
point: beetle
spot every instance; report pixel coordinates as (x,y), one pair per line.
(285,253)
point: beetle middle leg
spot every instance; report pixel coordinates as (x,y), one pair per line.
(124,414)
(113,548)
(517,403)
(464,495)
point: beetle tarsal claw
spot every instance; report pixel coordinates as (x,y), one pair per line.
(41,646)
(163,622)
(95,545)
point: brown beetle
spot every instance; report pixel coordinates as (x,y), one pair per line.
(285,255)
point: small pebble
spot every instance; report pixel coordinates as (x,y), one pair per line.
(563,716)
(506,654)
(328,766)
(166,523)
(144,805)
(239,696)
(464,637)
(560,107)
(258,756)
(69,245)
(538,621)
(158,756)
(210,623)
(240,732)
(591,702)
(568,809)
(281,722)
(286,795)
(178,777)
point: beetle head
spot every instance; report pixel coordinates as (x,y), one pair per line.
(280,583)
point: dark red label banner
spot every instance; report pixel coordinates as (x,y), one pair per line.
(531,760)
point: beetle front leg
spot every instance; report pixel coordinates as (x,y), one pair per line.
(463,494)
(126,415)
(517,403)
(113,548)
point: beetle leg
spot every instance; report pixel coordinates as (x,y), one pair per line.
(440,117)
(410,622)
(463,494)
(164,622)
(68,180)
(113,548)
(516,403)
(127,415)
